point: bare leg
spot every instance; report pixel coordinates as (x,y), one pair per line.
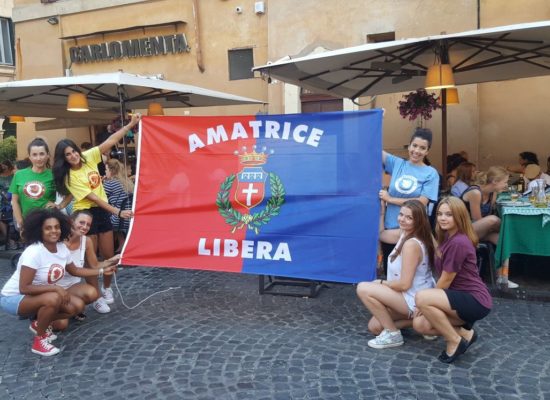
(46,306)
(487,228)
(435,308)
(106,250)
(87,293)
(385,304)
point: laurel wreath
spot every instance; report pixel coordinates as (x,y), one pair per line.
(251,221)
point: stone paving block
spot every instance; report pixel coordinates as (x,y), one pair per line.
(216,338)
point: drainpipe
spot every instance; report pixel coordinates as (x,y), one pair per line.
(196,19)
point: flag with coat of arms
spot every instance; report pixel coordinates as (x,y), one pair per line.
(292,195)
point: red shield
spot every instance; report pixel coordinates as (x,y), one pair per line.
(250,189)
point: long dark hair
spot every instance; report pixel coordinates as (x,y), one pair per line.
(32,224)
(422,230)
(39,142)
(61,167)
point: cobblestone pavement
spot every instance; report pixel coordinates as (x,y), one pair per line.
(215,337)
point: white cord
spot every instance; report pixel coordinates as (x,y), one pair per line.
(145,299)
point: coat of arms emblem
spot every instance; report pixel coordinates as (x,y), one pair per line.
(250,192)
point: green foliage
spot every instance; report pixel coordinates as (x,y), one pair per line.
(8,149)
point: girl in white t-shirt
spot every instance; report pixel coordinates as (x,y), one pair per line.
(83,255)
(32,290)
(391,301)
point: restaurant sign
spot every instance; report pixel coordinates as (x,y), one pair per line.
(132,48)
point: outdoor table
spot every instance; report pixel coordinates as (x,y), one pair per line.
(523,230)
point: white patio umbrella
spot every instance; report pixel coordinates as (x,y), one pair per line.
(108,95)
(484,55)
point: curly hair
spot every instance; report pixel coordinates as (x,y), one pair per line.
(33,222)
(60,165)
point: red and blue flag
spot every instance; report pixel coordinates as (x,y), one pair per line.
(292,195)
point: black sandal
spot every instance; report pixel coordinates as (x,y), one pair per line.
(80,317)
(447,359)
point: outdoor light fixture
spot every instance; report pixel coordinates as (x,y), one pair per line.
(16,118)
(77,102)
(154,109)
(452,96)
(53,20)
(439,76)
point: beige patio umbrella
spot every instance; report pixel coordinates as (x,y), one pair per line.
(483,55)
(108,95)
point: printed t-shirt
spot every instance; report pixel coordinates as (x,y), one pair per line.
(35,189)
(86,180)
(458,254)
(408,181)
(50,267)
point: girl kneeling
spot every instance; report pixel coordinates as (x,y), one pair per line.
(391,302)
(32,289)
(460,297)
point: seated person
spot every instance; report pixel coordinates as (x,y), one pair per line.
(465,174)
(480,200)
(533,172)
(453,161)
(525,158)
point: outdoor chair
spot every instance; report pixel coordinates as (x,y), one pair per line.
(486,259)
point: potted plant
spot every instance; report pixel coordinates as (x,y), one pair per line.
(418,104)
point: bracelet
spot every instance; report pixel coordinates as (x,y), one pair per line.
(100,274)
(119,212)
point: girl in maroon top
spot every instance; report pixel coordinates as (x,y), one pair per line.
(460,297)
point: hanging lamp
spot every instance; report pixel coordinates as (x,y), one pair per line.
(77,102)
(155,109)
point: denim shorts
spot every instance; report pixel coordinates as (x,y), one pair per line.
(10,304)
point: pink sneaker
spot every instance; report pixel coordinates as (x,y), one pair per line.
(42,346)
(49,330)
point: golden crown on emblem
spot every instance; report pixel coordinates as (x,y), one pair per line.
(252,158)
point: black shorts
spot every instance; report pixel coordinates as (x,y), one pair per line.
(467,307)
(101,222)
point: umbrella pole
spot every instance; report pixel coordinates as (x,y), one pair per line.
(122,117)
(444,136)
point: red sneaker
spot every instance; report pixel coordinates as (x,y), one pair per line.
(42,346)
(49,330)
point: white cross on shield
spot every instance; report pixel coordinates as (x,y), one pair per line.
(250,187)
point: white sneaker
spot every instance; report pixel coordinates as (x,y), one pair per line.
(101,306)
(386,340)
(108,295)
(512,285)
(504,281)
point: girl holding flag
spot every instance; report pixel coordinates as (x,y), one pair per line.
(76,172)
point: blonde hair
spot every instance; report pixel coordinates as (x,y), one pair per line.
(118,172)
(493,174)
(461,217)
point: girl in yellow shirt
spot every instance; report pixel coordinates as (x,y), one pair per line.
(75,172)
